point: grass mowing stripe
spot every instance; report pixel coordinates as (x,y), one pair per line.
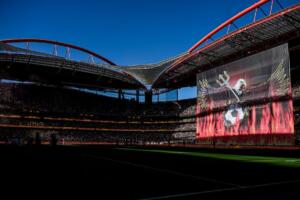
(278,161)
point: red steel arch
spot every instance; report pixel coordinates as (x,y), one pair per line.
(229,21)
(194,49)
(60,44)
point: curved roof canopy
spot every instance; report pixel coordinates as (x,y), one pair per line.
(175,72)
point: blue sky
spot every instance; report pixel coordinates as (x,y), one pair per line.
(128,32)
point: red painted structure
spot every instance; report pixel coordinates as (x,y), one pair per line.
(28,40)
(195,50)
(226,23)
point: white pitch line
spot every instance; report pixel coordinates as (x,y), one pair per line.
(221,190)
(189,194)
(164,170)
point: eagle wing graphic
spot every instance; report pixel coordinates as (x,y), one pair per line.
(206,92)
(277,83)
(203,93)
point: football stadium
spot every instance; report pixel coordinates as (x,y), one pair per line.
(76,123)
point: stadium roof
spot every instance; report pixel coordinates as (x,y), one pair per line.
(179,71)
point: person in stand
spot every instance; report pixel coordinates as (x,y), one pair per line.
(38,140)
(53,140)
(30,141)
(214,143)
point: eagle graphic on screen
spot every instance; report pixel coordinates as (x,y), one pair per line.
(276,85)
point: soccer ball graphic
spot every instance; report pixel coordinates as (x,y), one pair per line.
(233,115)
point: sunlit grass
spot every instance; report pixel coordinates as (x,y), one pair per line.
(278,161)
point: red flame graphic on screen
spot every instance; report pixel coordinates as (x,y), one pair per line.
(267,119)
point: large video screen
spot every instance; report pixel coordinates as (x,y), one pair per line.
(249,98)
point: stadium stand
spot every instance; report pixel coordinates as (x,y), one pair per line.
(46,93)
(72,113)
